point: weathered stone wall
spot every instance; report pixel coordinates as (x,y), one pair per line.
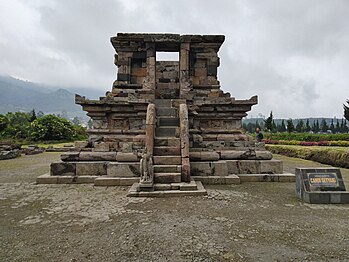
(167,79)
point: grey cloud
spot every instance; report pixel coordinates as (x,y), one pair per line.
(288,52)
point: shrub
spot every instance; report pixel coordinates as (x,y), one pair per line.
(306,137)
(325,155)
(51,127)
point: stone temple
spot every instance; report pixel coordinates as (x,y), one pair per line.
(166,127)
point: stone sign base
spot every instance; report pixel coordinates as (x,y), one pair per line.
(321,186)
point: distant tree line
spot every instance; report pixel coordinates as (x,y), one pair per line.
(34,127)
(299,126)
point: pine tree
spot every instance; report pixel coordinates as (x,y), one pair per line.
(257,124)
(346,129)
(324,127)
(290,126)
(338,127)
(274,127)
(341,128)
(332,127)
(282,126)
(268,123)
(346,111)
(317,126)
(32,115)
(307,126)
(300,126)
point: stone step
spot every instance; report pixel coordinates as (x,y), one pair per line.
(167,168)
(166,131)
(167,141)
(169,190)
(166,111)
(165,178)
(167,151)
(167,160)
(191,186)
(168,121)
(163,103)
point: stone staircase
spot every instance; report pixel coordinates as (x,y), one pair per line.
(167,151)
(167,159)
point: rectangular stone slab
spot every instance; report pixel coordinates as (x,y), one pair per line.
(91,168)
(123,169)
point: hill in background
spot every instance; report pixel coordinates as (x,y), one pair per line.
(17,95)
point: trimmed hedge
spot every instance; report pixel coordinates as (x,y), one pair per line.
(306,137)
(338,157)
(306,143)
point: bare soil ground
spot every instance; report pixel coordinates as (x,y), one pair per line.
(247,222)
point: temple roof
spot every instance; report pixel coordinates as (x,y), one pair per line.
(164,42)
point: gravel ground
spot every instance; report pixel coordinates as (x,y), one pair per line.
(247,222)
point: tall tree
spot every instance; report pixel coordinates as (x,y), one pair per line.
(338,127)
(268,123)
(307,126)
(290,126)
(332,127)
(324,127)
(300,126)
(346,110)
(282,127)
(32,115)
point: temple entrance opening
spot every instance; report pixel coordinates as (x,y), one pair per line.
(167,75)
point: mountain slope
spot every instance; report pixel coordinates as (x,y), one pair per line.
(18,95)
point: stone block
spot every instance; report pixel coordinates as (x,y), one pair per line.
(91,168)
(167,168)
(107,181)
(200,168)
(62,168)
(167,160)
(70,156)
(167,151)
(219,168)
(98,156)
(101,147)
(249,167)
(185,170)
(123,169)
(188,186)
(200,72)
(166,178)
(127,157)
(233,166)
(160,187)
(247,154)
(335,198)
(204,156)
(46,179)
(286,177)
(85,179)
(65,179)
(81,144)
(232,179)
(271,167)
(128,181)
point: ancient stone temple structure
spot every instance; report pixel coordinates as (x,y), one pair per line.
(165,123)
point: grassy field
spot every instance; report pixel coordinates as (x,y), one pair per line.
(335,156)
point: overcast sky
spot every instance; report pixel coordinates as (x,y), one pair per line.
(293,54)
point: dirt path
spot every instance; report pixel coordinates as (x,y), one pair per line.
(247,222)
